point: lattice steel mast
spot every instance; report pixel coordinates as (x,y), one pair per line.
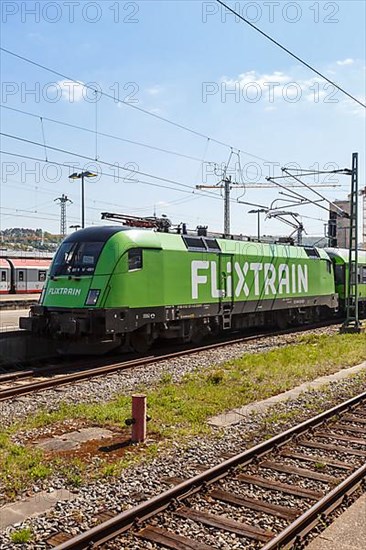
(63,200)
(352,322)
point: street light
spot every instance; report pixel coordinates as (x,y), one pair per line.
(259,211)
(82,175)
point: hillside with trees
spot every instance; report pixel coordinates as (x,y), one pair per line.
(19,238)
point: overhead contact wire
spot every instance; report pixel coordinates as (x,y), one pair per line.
(146,112)
(289,52)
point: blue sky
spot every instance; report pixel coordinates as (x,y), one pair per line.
(192,63)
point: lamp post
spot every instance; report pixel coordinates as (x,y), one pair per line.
(259,211)
(82,175)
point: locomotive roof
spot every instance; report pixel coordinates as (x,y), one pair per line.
(342,254)
(175,241)
(96,234)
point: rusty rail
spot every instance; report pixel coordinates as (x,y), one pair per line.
(17,391)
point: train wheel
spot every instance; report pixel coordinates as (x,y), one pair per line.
(141,341)
(199,332)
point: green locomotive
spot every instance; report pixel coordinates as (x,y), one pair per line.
(115,286)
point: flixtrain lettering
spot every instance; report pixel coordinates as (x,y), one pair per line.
(259,279)
(65,290)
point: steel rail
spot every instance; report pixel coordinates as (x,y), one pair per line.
(115,367)
(302,525)
(134,516)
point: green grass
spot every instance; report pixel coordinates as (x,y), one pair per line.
(180,411)
(21,536)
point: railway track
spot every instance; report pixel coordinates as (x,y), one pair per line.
(26,381)
(270,496)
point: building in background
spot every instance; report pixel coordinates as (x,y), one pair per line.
(338,226)
(363,208)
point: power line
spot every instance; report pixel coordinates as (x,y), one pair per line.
(111,136)
(14,184)
(117,100)
(43,215)
(118,138)
(63,164)
(59,150)
(192,192)
(85,157)
(291,53)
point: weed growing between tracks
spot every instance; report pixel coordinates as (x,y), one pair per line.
(179,411)
(21,536)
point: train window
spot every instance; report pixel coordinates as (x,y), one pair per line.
(339,274)
(194,243)
(3,276)
(363,280)
(311,252)
(134,259)
(21,276)
(329,266)
(212,244)
(76,258)
(41,276)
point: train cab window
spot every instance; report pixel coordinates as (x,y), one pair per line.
(134,259)
(3,276)
(76,258)
(41,276)
(21,276)
(363,273)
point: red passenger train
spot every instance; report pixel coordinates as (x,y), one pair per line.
(23,275)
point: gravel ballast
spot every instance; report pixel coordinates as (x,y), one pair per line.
(145,480)
(103,389)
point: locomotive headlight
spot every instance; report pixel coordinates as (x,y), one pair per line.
(92,297)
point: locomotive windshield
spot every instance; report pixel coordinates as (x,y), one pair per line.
(76,258)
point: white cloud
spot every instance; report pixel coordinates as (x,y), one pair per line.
(155,90)
(72,91)
(273,87)
(347,61)
(269,89)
